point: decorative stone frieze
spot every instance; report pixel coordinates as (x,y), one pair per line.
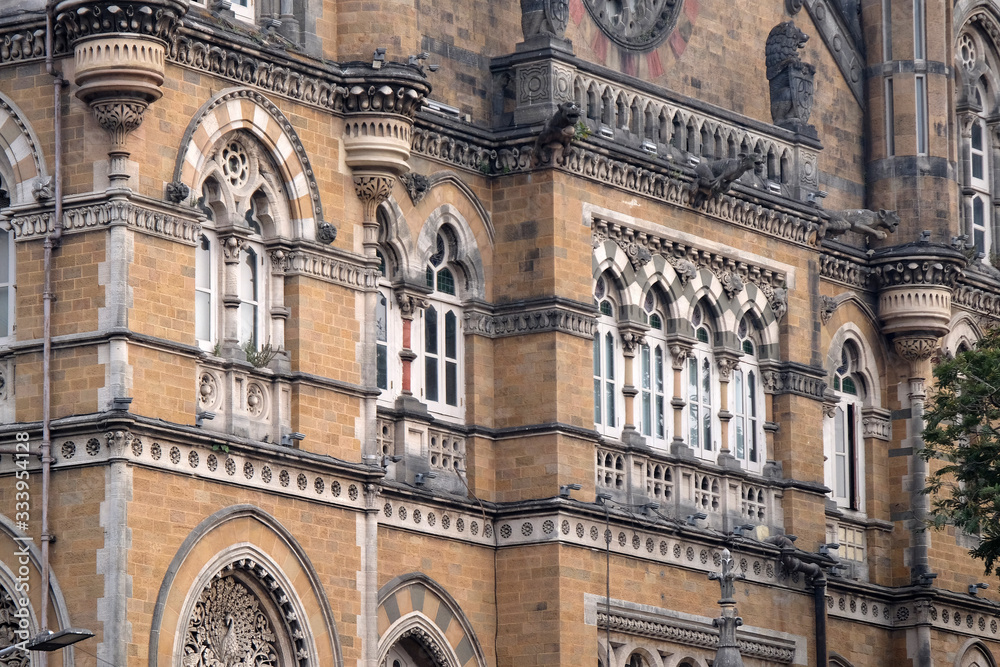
(22,44)
(876,423)
(678,631)
(337,269)
(845,271)
(687,259)
(791,378)
(914,348)
(146,216)
(531,319)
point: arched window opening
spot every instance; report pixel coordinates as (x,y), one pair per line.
(607,364)
(746,430)
(635,660)
(845,445)
(700,388)
(7,272)
(443,344)
(654,377)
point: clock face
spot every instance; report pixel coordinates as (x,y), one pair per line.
(637,25)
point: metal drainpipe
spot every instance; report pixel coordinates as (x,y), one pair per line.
(51,241)
(819,604)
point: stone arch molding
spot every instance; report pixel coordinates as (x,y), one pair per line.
(245,109)
(241,562)
(962,329)
(22,165)
(974,653)
(871,368)
(684,285)
(414,606)
(468,257)
(12,542)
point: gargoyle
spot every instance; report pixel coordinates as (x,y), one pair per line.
(559,130)
(860,220)
(715,177)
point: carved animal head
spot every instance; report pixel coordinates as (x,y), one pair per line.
(783,44)
(888,219)
(568,114)
(750,160)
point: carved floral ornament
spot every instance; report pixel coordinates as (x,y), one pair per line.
(231,625)
(638,25)
(78,19)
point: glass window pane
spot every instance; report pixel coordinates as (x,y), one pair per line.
(841,480)
(597,401)
(446,281)
(4,257)
(977,135)
(753,440)
(752,391)
(646,376)
(693,379)
(5,311)
(202,315)
(977,212)
(248,276)
(381,316)
(647,413)
(706,419)
(248,324)
(660,433)
(451,383)
(658,354)
(611,403)
(693,426)
(609,355)
(202,264)
(839,441)
(977,166)
(381,367)
(597,355)
(431,330)
(740,443)
(431,378)
(450,335)
(706,382)
(738,391)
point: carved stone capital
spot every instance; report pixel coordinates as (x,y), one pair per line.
(372,190)
(966,120)
(726,364)
(631,340)
(279,260)
(372,493)
(409,303)
(679,352)
(827,305)
(119,118)
(118,441)
(232,246)
(915,348)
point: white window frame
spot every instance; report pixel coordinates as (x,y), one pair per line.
(211,291)
(8,284)
(699,398)
(392,345)
(654,378)
(848,493)
(746,403)
(259,304)
(608,372)
(244,10)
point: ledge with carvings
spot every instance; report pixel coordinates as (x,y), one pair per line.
(456,144)
(531,316)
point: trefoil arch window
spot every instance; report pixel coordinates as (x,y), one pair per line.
(746,430)
(654,375)
(608,360)
(700,388)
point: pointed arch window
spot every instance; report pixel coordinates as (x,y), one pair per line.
(700,389)
(443,342)
(654,378)
(844,443)
(607,364)
(978,193)
(746,429)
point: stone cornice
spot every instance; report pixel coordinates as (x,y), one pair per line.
(529,317)
(628,170)
(789,377)
(22,42)
(327,264)
(845,270)
(342,88)
(94,211)
(687,633)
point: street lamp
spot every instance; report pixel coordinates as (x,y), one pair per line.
(49,641)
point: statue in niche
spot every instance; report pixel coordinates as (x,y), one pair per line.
(715,177)
(791,80)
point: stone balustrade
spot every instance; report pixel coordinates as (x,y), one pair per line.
(684,487)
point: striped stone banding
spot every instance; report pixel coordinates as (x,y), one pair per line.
(20,151)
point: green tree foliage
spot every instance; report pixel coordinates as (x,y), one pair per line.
(963,431)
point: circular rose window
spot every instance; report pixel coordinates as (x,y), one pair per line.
(637,25)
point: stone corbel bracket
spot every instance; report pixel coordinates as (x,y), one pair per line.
(848,54)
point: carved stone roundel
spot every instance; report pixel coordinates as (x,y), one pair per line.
(637,25)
